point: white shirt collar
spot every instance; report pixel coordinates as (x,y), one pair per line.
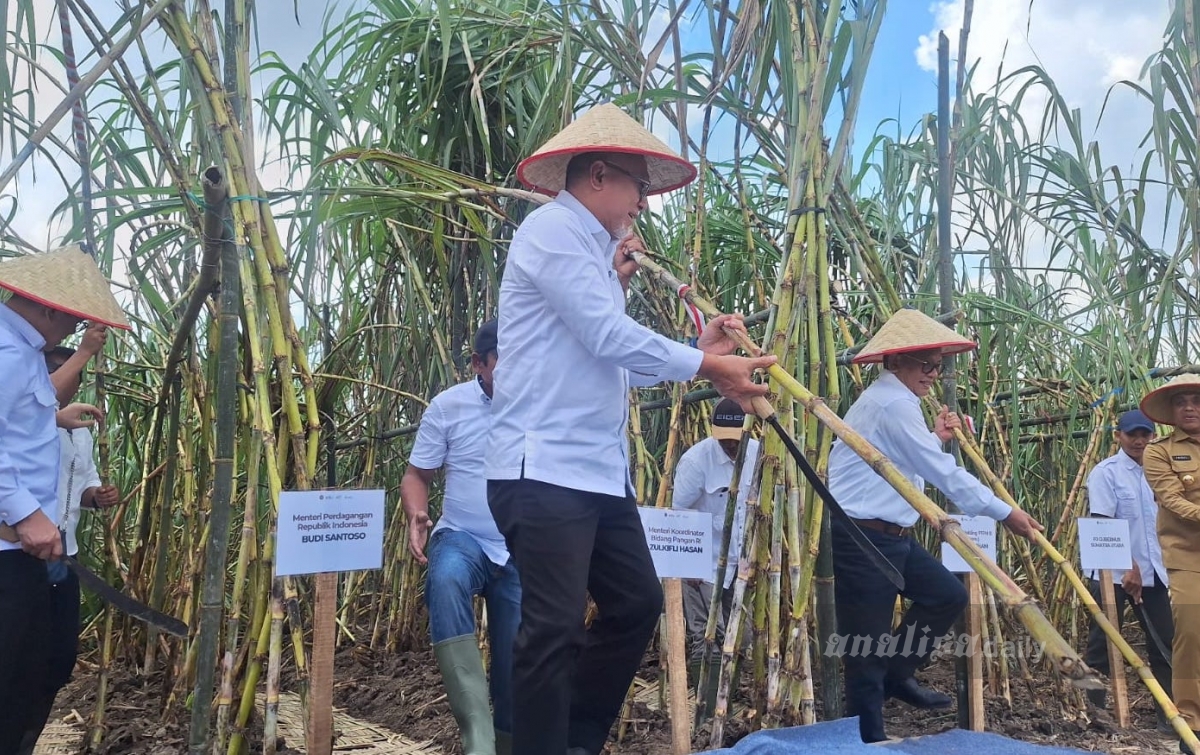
(590,223)
(22,327)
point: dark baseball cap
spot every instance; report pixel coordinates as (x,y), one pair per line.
(485,338)
(1134,420)
(728,419)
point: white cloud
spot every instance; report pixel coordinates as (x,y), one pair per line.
(1084,47)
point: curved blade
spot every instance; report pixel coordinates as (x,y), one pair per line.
(860,539)
(124,603)
(1163,649)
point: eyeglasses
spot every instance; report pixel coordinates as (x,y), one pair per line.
(643,184)
(927,368)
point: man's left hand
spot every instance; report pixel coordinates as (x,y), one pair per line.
(625,265)
(77,416)
(105,496)
(1020,523)
(714,339)
(945,424)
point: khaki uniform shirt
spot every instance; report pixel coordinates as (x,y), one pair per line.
(1172,466)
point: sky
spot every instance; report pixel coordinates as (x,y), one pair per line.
(1085,46)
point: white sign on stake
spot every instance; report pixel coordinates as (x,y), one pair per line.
(981,529)
(329,531)
(1104,544)
(680,542)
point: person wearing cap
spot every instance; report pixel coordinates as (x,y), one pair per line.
(466,555)
(910,347)
(703,476)
(558,453)
(51,295)
(1117,489)
(79,487)
(1172,466)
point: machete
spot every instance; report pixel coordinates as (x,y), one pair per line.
(1151,630)
(112,595)
(880,561)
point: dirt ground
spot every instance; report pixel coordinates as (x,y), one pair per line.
(403,693)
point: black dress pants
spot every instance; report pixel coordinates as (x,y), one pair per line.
(24,649)
(865,604)
(62,650)
(568,683)
(1156,606)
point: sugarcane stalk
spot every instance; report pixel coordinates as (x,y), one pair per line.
(774,572)
(1066,661)
(1113,634)
(718,589)
(85,83)
(745,575)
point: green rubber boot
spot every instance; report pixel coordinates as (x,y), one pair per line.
(467,689)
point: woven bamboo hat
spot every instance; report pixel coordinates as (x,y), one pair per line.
(65,279)
(1157,403)
(910,330)
(604,128)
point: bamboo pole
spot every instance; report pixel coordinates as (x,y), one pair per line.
(1097,613)
(1066,661)
(216,552)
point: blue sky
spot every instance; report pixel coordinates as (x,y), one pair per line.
(1108,40)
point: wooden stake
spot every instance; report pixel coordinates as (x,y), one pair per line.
(320,697)
(681,722)
(1116,664)
(977,716)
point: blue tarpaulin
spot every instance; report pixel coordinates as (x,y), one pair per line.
(841,738)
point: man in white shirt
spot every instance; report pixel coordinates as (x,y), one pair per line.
(79,487)
(703,476)
(466,555)
(1117,488)
(558,454)
(702,479)
(52,294)
(910,347)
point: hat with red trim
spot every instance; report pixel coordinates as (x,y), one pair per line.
(604,128)
(1157,403)
(65,279)
(909,330)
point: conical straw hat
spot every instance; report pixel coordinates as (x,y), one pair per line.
(604,128)
(65,279)
(1157,403)
(910,330)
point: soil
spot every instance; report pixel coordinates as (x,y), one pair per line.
(403,693)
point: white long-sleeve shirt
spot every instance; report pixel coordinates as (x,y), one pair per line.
(76,473)
(888,415)
(568,356)
(1117,488)
(453,434)
(28,431)
(702,478)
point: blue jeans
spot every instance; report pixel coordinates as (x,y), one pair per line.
(458,571)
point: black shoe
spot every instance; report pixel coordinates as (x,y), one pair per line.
(908,691)
(1184,748)
(1164,724)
